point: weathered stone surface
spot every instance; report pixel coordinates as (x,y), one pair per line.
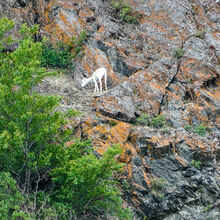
(145,76)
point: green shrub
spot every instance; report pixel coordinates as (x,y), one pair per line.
(188,127)
(196,164)
(178,53)
(62,55)
(143,119)
(85,182)
(201,130)
(124,11)
(200,190)
(208,208)
(159,121)
(11,200)
(201,34)
(157,185)
(112,123)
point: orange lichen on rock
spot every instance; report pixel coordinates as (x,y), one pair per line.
(104,136)
(138,186)
(146,179)
(135,200)
(129,170)
(128,153)
(180,160)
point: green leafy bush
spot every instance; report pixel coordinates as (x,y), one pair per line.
(188,127)
(201,130)
(208,208)
(157,185)
(196,164)
(85,182)
(11,200)
(143,119)
(125,12)
(159,121)
(112,123)
(178,53)
(201,34)
(62,55)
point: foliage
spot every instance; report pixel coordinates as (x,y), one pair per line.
(159,121)
(112,123)
(188,127)
(53,179)
(125,12)
(200,190)
(178,53)
(5,25)
(62,54)
(201,34)
(84,181)
(29,124)
(157,185)
(208,208)
(201,130)
(143,119)
(11,200)
(196,164)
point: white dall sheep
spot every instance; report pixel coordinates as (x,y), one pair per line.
(97,75)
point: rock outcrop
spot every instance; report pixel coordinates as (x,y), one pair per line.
(168,64)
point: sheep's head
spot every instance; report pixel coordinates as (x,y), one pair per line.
(84,82)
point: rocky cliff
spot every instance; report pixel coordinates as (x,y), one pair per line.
(168,65)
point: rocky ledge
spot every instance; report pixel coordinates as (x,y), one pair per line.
(163,105)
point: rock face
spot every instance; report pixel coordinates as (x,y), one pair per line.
(167,64)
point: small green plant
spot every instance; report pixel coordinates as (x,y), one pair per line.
(11,200)
(62,54)
(208,208)
(188,127)
(178,53)
(127,186)
(201,34)
(196,164)
(157,185)
(143,119)
(125,12)
(159,121)
(201,130)
(165,130)
(112,123)
(200,190)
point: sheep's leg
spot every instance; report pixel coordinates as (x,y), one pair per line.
(100,82)
(96,86)
(106,82)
